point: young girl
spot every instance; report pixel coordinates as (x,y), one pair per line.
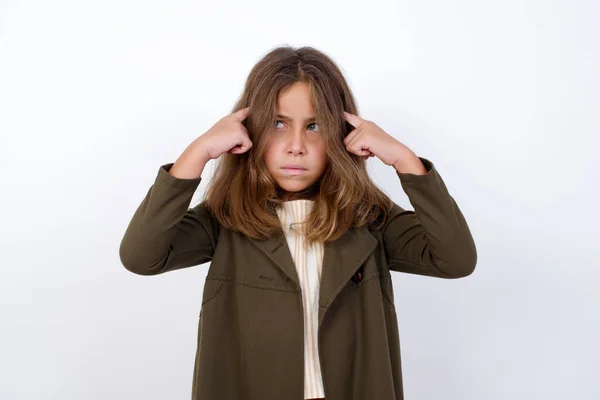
(298,301)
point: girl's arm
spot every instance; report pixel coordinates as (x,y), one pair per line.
(434,239)
(164,234)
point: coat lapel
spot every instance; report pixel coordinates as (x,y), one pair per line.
(275,247)
(341,259)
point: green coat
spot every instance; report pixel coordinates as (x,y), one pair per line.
(250,330)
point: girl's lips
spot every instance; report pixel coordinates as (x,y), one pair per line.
(294,171)
(298,166)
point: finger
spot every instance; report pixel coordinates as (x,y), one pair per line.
(353,139)
(357,148)
(242,114)
(353,119)
(242,147)
(361,153)
(350,137)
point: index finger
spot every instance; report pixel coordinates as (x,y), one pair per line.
(242,114)
(353,119)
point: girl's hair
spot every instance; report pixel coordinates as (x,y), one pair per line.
(242,194)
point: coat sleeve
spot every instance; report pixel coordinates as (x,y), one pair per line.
(164,234)
(434,239)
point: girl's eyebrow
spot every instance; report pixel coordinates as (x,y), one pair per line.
(286,118)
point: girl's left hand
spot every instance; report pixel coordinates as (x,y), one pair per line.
(368,140)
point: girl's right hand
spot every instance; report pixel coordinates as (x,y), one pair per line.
(227,135)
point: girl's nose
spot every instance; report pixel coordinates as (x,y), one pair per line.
(297,141)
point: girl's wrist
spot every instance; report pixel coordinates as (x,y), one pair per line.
(410,163)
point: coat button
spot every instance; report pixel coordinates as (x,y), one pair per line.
(357,277)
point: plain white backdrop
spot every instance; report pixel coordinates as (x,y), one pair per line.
(503,97)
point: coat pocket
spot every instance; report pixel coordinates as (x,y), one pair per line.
(212,287)
(387,289)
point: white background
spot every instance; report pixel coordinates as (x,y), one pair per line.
(503,97)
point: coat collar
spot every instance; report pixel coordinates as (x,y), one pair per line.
(341,259)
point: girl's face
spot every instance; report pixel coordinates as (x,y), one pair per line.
(296,141)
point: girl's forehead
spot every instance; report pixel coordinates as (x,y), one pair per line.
(295,93)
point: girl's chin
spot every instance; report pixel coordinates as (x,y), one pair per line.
(292,192)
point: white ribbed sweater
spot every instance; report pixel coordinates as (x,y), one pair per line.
(308,261)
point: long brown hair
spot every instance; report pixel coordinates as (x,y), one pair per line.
(242,194)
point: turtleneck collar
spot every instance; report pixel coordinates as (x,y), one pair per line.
(294,212)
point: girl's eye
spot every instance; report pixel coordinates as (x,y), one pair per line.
(309,125)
